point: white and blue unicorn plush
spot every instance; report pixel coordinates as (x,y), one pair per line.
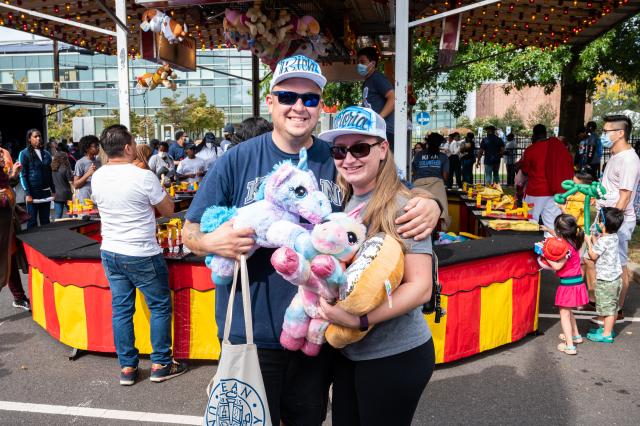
(288,193)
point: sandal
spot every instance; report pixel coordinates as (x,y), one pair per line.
(569,350)
(576,339)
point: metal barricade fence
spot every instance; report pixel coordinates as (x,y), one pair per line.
(521,144)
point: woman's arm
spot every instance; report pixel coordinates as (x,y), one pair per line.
(414,291)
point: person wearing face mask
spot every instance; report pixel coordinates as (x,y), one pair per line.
(377,90)
(209,150)
(162,163)
(620,180)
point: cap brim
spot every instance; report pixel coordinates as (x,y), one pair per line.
(320,80)
(331,135)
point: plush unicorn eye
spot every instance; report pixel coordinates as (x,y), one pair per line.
(352,237)
(300,191)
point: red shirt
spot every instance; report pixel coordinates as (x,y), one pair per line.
(546,163)
(533,165)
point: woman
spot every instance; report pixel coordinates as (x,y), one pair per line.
(36,179)
(209,150)
(9,253)
(379,380)
(430,172)
(143,153)
(62,176)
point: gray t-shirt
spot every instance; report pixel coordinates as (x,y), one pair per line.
(373,95)
(82,166)
(399,334)
(608,264)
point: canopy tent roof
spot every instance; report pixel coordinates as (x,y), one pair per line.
(543,23)
(14,96)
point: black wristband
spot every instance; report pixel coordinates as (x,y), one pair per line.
(364,322)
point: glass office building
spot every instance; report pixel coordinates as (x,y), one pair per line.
(93,77)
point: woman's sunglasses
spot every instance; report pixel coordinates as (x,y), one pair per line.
(310,100)
(358,150)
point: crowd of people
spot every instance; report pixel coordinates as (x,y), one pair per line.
(380,379)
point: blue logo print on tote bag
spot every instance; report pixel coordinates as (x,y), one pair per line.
(234,403)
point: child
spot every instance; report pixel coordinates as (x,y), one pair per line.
(575,203)
(571,292)
(604,251)
(62,174)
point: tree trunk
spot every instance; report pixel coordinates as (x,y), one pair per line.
(573,96)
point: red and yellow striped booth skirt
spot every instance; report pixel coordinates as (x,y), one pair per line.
(489,302)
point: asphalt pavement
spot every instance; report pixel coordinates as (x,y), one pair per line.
(526,383)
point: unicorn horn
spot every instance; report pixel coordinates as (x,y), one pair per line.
(355,213)
(302,164)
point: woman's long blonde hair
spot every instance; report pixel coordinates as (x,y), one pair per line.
(381,212)
(143,153)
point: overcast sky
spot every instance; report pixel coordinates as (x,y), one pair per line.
(8,34)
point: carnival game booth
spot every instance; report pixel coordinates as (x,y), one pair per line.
(490,293)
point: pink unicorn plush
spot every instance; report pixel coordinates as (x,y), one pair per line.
(316,266)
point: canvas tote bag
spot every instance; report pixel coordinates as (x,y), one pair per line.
(236,392)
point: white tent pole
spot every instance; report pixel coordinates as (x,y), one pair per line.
(401,75)
(455,11)
(123,65)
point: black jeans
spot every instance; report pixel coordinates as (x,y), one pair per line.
(383,391)
(511,174)
(297,385)
(38,211)
(454,170)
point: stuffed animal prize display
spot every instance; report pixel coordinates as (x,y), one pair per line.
(289,192)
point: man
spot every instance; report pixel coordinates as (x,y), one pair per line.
(547,163)
(492,147)
(126,196)
(620,180)
(191,168)
(227,134)
(86,166)
(454,160)
(377,91)
(162,163)
(296,385)
(176,150)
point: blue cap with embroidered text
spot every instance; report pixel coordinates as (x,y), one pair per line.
(298,66)
(355,120)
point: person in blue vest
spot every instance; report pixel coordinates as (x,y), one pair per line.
(36,179)
(296,385)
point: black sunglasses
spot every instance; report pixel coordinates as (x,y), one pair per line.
(358,150)
(310,100)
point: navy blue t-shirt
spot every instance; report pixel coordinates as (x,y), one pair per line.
(430,165)
(491,146)
(374,91)
(177,152)
(233,180)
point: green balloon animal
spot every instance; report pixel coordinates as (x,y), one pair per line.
(593,190)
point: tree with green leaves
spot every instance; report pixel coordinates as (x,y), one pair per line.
(193,114)
(64,129)
(141,126)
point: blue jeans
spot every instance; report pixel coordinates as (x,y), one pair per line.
(59,207)
(151,276)
(491,173)
(38,211)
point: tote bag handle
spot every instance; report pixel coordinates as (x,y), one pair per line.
(246,305)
